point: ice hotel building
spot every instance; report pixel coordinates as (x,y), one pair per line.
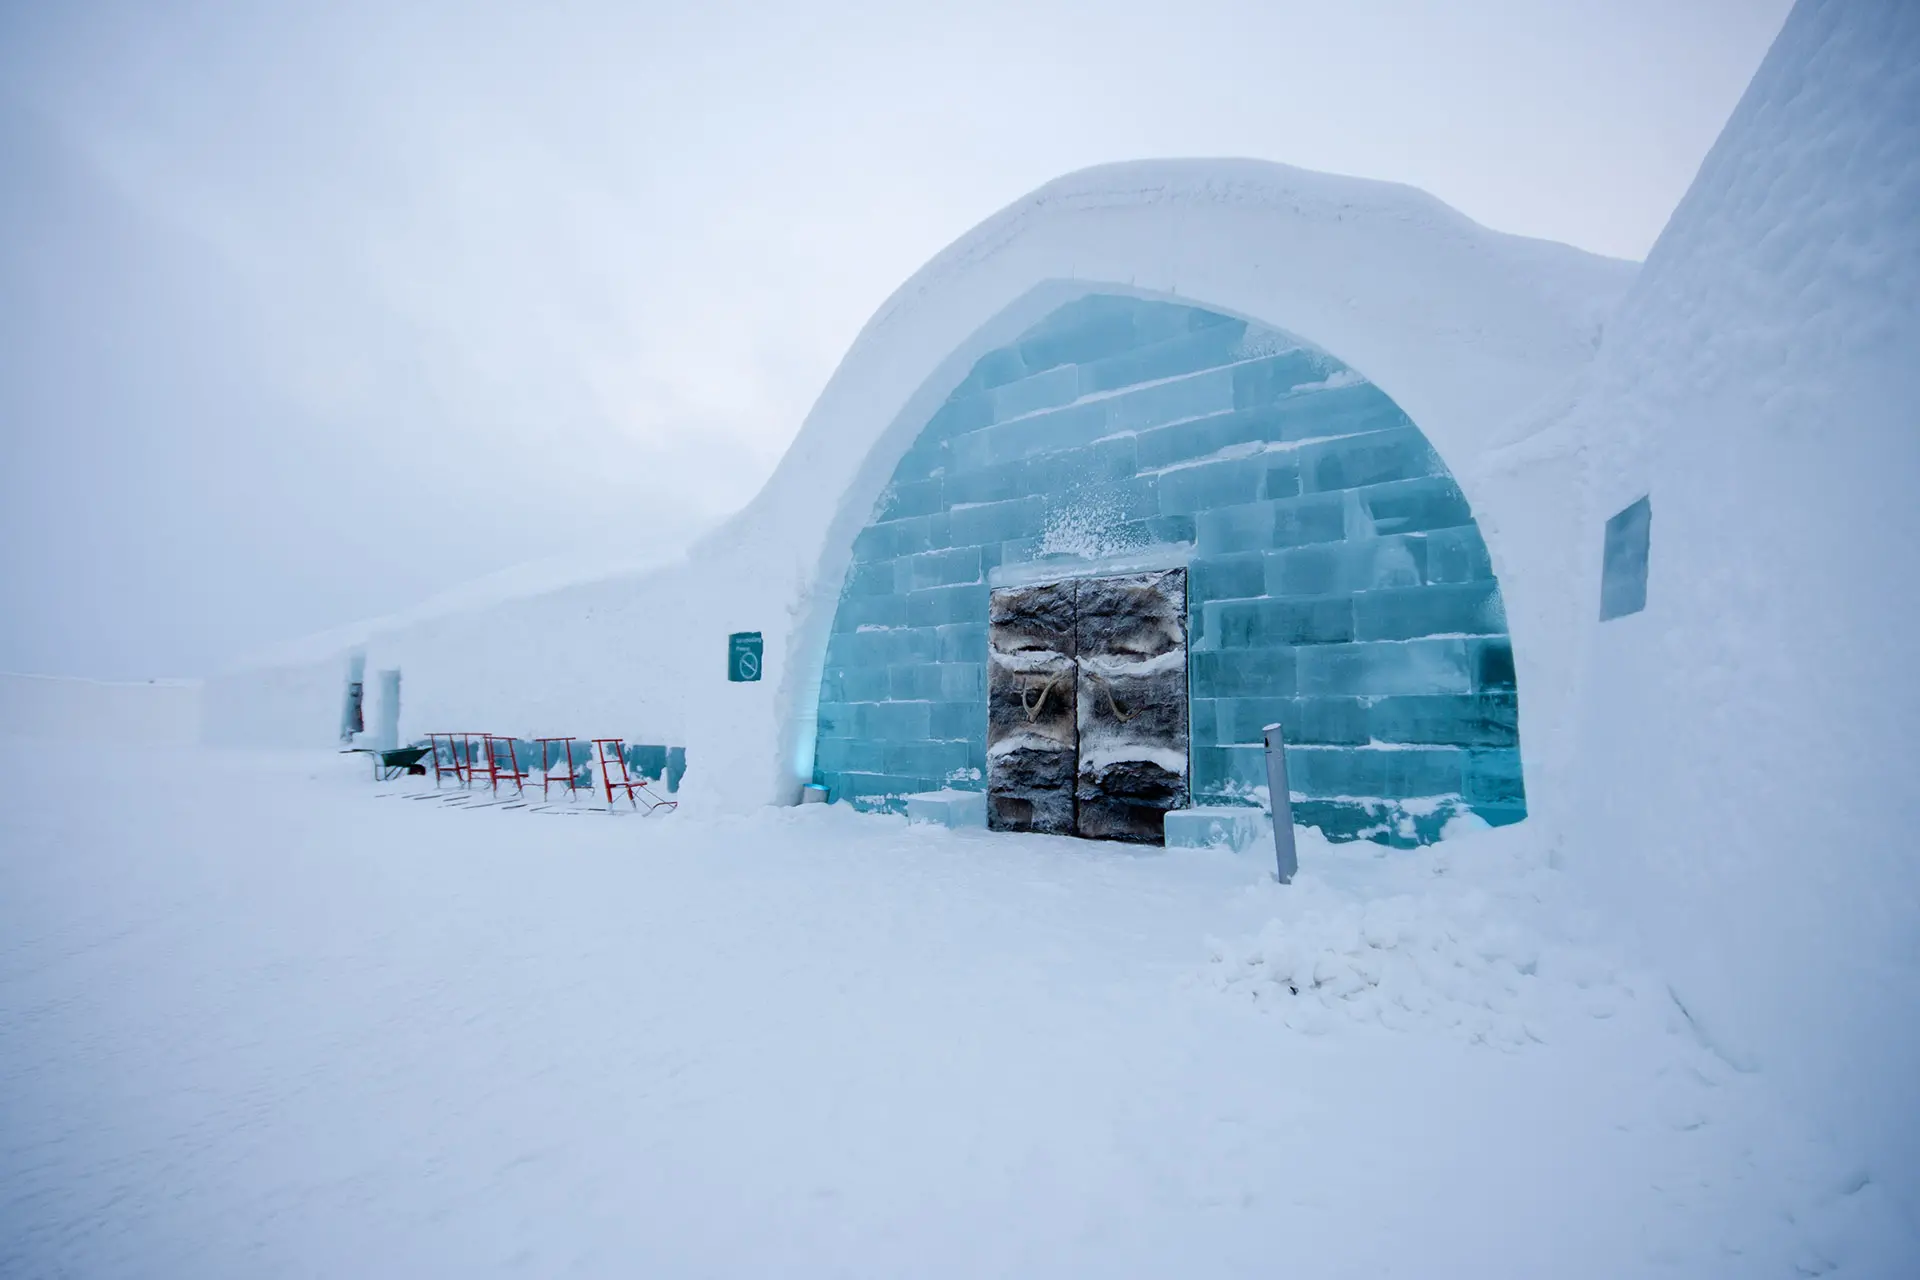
(1165,451)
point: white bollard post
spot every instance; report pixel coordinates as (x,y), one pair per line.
(1286,860)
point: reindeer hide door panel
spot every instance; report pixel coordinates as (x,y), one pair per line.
(1130,652)
(1031,730)
(1087,706)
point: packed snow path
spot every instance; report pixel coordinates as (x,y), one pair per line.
(256,1020)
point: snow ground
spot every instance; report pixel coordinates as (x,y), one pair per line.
(258,1020)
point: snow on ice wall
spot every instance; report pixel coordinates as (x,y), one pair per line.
(1338,582)
(1752,786)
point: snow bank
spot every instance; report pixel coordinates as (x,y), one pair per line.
(105,712)
(1749,793)
(1475,937)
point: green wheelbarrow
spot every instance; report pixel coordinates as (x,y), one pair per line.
(388,765)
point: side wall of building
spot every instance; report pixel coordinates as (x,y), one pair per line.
(1749,753)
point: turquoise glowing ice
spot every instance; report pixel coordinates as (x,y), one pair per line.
(1338,581)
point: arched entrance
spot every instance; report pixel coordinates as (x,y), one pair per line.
(1336,580)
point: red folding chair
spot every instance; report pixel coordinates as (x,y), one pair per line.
(458,763)
(570,780)
(613,754)
(512,772)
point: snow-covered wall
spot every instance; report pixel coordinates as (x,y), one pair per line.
(533,653)
(1751,781)
(106,713)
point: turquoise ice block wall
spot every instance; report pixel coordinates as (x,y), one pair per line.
(1338,583)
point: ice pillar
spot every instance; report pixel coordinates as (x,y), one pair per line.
(386,735)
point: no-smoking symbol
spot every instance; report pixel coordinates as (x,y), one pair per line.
(744,651)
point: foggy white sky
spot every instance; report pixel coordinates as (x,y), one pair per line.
(307,311)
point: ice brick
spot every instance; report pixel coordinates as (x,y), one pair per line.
(1482,720)
(1391,772)
(936,606)
(1262,381)
(1189,353)
(1466,609)
(916,498)
(963,642)
(856,684)
(1494,778)
(1233,673)
(997,521)
(1225,771)
(1202,487)
(873,579)
(1159,403)
(1236,577)
(939,681)
(964,721)
(1351,409)
(1165,446)
(1240,828)
(856,612)
(1264,624)
(1492,664)
(926,759)
(1410,506)
(1399,453)
(1101,462)
(1458,555)
(1410,667)
(1364,564)
(890,721)
(1040,391)
(952,807)
(992,483)
(849,755)
(1082,332)
(951,567)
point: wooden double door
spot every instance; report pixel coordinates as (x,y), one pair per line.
(1087,706)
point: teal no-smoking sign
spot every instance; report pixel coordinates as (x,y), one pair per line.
(743,656)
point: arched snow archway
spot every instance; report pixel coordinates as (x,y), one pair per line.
(1468,331)
(1337,581)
